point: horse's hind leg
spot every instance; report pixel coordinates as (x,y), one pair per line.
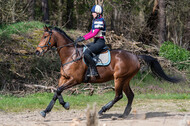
(118,96)
(130,95)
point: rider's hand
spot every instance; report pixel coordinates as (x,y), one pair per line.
(80,39)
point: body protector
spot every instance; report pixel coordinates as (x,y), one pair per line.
(99,23)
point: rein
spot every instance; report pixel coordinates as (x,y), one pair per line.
(48,44)
(76,52)
(66,45)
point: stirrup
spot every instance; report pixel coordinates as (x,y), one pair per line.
(92,73)
(86,78)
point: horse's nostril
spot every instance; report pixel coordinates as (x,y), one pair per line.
(37,52)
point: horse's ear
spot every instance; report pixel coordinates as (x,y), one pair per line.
(46,28)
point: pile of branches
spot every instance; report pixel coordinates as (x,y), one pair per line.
(120,42)
(139,48)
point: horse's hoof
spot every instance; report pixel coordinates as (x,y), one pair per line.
(66,106)
(123,116)
(100,113)
(43,114)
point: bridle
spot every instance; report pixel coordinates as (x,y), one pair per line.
(48,44)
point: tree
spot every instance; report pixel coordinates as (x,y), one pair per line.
(162,21)
(31,9)
(60,13)
(45,11)
(99,2)
(69,14)
(148,32)
(13,3)
(187,33)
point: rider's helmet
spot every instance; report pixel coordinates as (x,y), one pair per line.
(97,9)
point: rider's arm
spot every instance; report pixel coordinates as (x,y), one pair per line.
(88,33)
(91,34)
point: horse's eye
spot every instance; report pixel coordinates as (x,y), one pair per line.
(45,37)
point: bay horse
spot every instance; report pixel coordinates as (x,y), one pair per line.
(122,68)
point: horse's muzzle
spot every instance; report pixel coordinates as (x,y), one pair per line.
(37,52)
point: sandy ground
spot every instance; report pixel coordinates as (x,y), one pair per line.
(155,113)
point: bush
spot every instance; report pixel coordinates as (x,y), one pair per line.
(176,54)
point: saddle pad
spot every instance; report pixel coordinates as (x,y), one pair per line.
(102,59)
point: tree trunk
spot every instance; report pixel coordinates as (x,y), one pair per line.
(60,18)
(148,32)
(99,2)
(45,11)
(114,19)
(187,34)
(162,21)
(13,11)
(76,14)
(31,9)
(69,16)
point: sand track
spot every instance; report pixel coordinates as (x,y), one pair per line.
(153,114)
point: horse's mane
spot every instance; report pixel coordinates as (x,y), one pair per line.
(62,32)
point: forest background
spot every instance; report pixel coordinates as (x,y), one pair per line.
(142,23)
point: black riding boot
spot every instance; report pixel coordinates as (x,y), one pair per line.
(91,66)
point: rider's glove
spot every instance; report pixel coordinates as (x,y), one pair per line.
(80,39)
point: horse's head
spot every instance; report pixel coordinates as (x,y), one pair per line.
(46,42)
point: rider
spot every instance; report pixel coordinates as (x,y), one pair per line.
(98,33)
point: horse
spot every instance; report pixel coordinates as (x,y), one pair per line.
(122,68)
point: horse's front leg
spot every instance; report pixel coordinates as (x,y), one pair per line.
(63,84)
(50,106)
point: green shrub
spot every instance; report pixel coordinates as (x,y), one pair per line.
(175,53)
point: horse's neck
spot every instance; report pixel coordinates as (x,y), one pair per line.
(65,52)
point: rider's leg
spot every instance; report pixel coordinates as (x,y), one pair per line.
(90,63)
(95,47)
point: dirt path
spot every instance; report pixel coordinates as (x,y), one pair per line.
(155,113)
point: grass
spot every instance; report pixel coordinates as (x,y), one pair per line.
(19,28)
(151,84)
(41,100)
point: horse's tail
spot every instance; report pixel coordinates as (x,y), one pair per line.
(157,69)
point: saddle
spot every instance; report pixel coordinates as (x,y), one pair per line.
(102,59)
